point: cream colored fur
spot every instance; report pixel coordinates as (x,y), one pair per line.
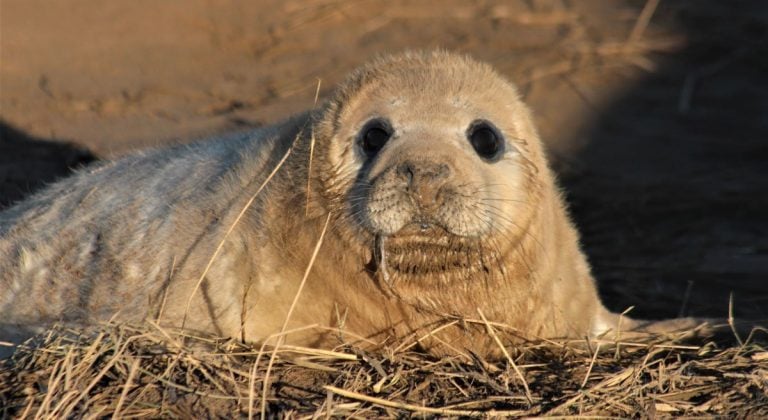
(130,239)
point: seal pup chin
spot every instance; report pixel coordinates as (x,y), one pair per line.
(423,171)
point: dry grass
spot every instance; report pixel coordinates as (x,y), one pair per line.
(125,371)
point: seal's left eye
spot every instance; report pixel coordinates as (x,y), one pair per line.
(485,139)
(374,136)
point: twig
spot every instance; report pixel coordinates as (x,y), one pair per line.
(405,346)
(412,407)
(311,152)
(319,352)
(506,354)
(126,387)
(265,388)
(642,21)
(252,389)
(165,291)
(731,322)
(618,331)
(591,364)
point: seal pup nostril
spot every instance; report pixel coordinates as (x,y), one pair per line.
(424,182)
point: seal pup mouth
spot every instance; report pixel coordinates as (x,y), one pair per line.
(422,233)
(424,251)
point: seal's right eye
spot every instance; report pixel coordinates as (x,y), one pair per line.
(486,140)
(374,136)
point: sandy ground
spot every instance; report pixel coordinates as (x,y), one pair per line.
(660,132)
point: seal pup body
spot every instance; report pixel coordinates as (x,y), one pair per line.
(438,200)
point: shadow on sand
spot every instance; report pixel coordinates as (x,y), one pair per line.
(672,201)
(28,163)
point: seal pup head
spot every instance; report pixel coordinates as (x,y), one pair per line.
(432,164)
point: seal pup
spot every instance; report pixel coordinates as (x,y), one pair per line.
(423,174)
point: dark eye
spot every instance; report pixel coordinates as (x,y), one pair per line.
(485,139)
(374,136)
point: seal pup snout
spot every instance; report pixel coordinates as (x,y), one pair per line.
(425,182)
(416,183)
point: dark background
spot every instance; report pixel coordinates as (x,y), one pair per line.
(659,131)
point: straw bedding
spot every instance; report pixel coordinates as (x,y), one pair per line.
(128,371)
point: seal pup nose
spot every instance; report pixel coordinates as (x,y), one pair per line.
(424,181)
